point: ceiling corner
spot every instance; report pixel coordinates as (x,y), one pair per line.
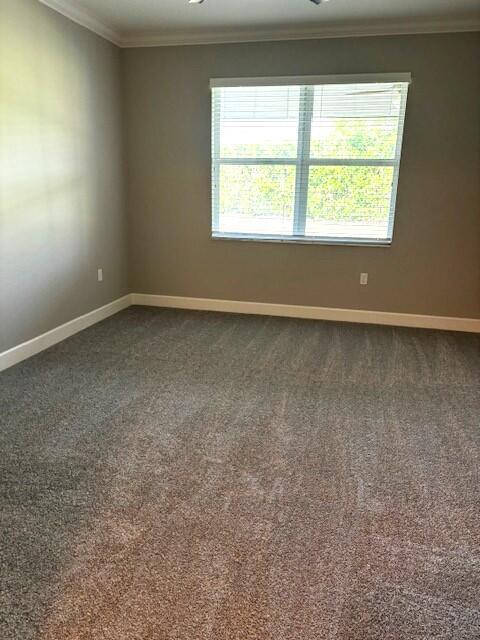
(85,19)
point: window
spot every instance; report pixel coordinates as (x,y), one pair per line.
(307,159)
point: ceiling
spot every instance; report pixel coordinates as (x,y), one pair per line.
(162,22)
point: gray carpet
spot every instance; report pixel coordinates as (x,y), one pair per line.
(175,475)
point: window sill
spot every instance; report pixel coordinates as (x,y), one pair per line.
(350,242)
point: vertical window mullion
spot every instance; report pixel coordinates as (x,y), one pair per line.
(305,111)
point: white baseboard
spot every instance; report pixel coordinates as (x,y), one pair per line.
(314,313)
(46,340)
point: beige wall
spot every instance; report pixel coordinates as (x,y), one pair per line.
(61,176)
(61,186)
(433,266)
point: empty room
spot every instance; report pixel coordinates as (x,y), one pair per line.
(239,320)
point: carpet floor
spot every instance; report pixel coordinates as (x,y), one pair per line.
(178,475)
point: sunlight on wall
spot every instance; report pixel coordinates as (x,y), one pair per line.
(49,173)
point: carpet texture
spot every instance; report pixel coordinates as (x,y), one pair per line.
(176,475)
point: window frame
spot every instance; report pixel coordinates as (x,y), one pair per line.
(303,162)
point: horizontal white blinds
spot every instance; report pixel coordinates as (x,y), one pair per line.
(311,161)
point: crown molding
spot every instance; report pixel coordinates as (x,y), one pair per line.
(84,18)
(92,22)
(306,33)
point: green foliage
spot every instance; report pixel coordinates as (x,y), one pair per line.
(350,138)
(349,193)
(257,190)
(335,193)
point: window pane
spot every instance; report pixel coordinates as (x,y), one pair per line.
(355,121)
(258,122)
(349,202)
(256,199)
(313,160)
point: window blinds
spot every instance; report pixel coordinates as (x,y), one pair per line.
(307,159)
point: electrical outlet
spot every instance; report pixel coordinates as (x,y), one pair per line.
(364,278)
(100,275)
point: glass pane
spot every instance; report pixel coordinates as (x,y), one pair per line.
(258,122)
(257,199)
(355,121)
(349,202)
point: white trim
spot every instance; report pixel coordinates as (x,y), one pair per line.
(313,313)
(308,33)
(93,22)
(277,81)
(84,18)
(46,340)
(303,239)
